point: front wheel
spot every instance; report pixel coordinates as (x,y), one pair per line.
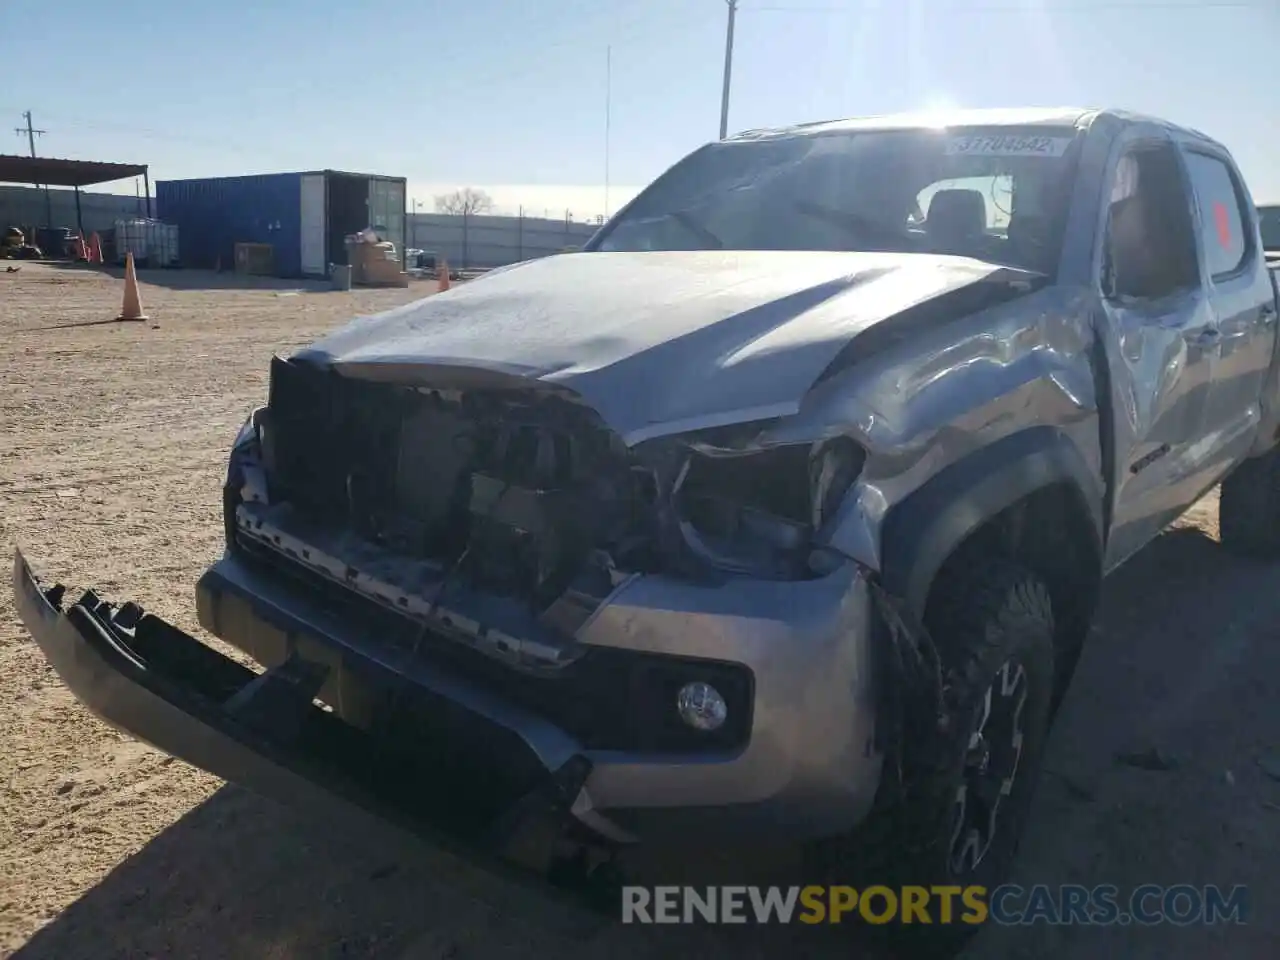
(961,822)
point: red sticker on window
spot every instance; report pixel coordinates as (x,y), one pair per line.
(1224,224)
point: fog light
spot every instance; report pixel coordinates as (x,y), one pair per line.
(701,706)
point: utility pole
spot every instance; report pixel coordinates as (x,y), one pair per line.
(608,95)
(728,69)
(31,132)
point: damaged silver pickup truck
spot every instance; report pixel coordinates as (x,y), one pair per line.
(779,511)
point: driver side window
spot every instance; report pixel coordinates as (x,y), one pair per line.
(1150,250)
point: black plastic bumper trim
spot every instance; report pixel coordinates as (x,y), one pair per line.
(177,698)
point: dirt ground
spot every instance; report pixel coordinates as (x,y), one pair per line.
(112,446)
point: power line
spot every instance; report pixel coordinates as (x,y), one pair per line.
(626,28)
(1161,5)
(148,133)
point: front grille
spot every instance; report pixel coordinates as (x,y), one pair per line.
(380,460)
(608,699)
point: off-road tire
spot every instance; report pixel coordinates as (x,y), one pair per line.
(984,613)
(1249,508)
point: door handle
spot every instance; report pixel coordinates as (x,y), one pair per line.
(1267,315)
(1205,337)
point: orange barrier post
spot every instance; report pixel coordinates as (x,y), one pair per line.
(132,307)
(442,276)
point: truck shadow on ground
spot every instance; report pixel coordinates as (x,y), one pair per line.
(1184,662)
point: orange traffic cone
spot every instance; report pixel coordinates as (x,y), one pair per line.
(132,307)
(95,248)
(442,276)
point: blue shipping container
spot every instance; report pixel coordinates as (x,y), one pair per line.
(216,213)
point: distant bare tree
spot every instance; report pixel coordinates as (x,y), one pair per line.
(468,201)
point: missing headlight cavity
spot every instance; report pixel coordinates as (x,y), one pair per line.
(759,510)
(775,481)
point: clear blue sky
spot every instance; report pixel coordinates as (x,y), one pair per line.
(510,96)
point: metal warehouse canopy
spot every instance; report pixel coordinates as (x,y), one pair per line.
(51,171)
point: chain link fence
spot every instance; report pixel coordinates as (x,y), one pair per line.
(467,242)
(477,242)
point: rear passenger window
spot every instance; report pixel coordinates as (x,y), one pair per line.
(1222,217)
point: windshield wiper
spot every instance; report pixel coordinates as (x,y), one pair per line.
(694,226)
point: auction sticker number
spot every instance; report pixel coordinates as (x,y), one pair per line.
(1007,146)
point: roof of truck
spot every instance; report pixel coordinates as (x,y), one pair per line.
(991,117)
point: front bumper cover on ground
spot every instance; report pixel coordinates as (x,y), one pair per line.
(154,682)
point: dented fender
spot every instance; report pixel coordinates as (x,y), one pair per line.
(963,421)
(920,533)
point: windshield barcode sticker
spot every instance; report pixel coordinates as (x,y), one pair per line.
(998,146)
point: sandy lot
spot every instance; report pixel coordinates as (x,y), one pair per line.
(112,441)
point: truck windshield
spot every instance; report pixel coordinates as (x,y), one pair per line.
(996,194)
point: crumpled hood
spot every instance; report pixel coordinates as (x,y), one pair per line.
(656,343)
